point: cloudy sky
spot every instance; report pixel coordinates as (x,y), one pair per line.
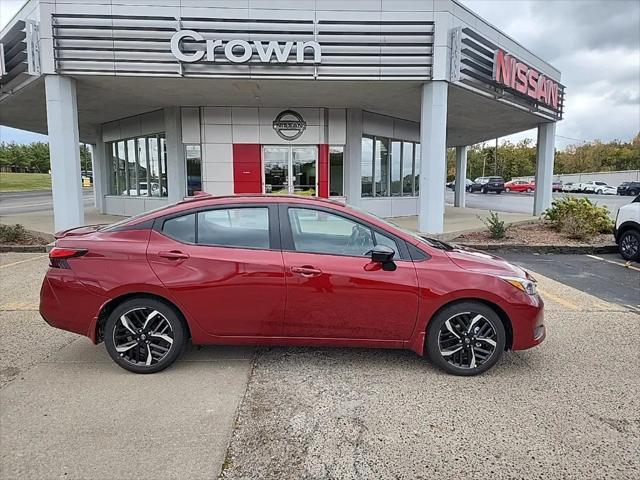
(594,43)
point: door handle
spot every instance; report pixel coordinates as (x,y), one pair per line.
(173,255)
(306,271)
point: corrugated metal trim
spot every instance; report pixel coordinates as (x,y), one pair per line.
(140,45)
(15,54)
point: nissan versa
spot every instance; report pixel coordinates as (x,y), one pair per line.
(288,271)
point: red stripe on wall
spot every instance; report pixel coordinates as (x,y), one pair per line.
(323,170)
(247,168)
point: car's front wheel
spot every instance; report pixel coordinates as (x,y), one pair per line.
(466,338)
(630,245)
(144,335)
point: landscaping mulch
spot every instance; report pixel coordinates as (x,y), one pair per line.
(29,241)
(537,237)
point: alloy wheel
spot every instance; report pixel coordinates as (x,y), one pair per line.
(630,245)
(467,340)
(143,336)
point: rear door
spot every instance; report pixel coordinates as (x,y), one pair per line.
(333,288)
(224,266)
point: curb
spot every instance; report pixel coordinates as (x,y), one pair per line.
(572,249)
(23,249)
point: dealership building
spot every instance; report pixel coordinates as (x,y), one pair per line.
(350,99)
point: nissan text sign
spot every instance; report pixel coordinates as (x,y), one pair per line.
(241,51)
(514,74)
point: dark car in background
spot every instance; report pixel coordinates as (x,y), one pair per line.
(487,184)
(629,188)
(556,186)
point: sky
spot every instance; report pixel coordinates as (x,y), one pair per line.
(594,43)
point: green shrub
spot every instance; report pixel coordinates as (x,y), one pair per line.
(579,218)
(497,227)
(12,233)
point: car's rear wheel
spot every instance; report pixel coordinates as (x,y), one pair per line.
(630,245)
(466,338)
(529,190)
(144,335)
(507,189)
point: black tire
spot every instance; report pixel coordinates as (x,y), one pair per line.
(164,330)
(498,192)
(455,313)
(629,244)
(484,190)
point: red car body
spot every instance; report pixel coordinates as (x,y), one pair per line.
(519,186)
(231,295)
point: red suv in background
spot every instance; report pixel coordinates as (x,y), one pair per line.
(287,271)
(520,186)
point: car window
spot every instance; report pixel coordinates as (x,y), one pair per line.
(181,228)
(316,231)
(234,227)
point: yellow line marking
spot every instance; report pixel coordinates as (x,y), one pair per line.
(625,265)
(22,261)
(559,300)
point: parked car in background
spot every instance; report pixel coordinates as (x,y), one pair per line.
(520,186)
(593,187)
(629,188)
(148,283)
(144,190)
(467,183)
(556,186)
(627,231)
(608,190)
(487,184)
(569,187)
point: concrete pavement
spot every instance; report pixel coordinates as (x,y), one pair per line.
(67,411)
(567,409)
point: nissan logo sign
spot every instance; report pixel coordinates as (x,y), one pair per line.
(289,125)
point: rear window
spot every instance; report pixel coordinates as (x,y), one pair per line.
(181,228)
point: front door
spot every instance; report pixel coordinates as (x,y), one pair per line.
(333,288)
(290,170)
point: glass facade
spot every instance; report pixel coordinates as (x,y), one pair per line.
(390,167)
(139,166)
(193,161)
(336,171)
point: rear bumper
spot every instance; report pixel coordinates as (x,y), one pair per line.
(65,303)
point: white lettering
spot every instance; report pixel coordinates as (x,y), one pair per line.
(175,46)
(230,54)
(281,55)
(315,46)
(211,49)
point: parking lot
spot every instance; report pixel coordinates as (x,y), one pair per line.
(568,409)
(522,202)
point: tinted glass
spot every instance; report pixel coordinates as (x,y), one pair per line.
(235,227)
(367,167)
(182,228)
(336,171)
(316,231)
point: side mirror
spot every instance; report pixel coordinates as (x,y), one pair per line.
(384,255)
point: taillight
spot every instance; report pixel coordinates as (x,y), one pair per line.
(58,256)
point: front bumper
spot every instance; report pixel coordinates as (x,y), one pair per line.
(528,325)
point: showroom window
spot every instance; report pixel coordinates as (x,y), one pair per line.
(193,163)
(336,171)
(390,167)
(139,166)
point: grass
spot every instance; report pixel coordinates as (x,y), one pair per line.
(15,182)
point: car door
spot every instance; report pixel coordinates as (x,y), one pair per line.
(334,290)
(225,267)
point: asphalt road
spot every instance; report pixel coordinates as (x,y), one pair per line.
(523,202)
(12,203)
(606,276)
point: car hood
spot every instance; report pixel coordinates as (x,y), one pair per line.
(482,262)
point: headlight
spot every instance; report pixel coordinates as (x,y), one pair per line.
(526,285)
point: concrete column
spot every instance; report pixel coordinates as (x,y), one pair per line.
(64,151)
(544,167)
(433,158)
(101,172)
(461,176)
(176,170)
(353,157)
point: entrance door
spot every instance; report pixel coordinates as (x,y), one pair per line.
(290,169)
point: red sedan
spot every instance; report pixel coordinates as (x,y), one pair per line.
(288,271)
(520,186)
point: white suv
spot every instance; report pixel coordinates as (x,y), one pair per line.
(594,187)
(627,231)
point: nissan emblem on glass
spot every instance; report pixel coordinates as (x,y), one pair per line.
(289,125)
